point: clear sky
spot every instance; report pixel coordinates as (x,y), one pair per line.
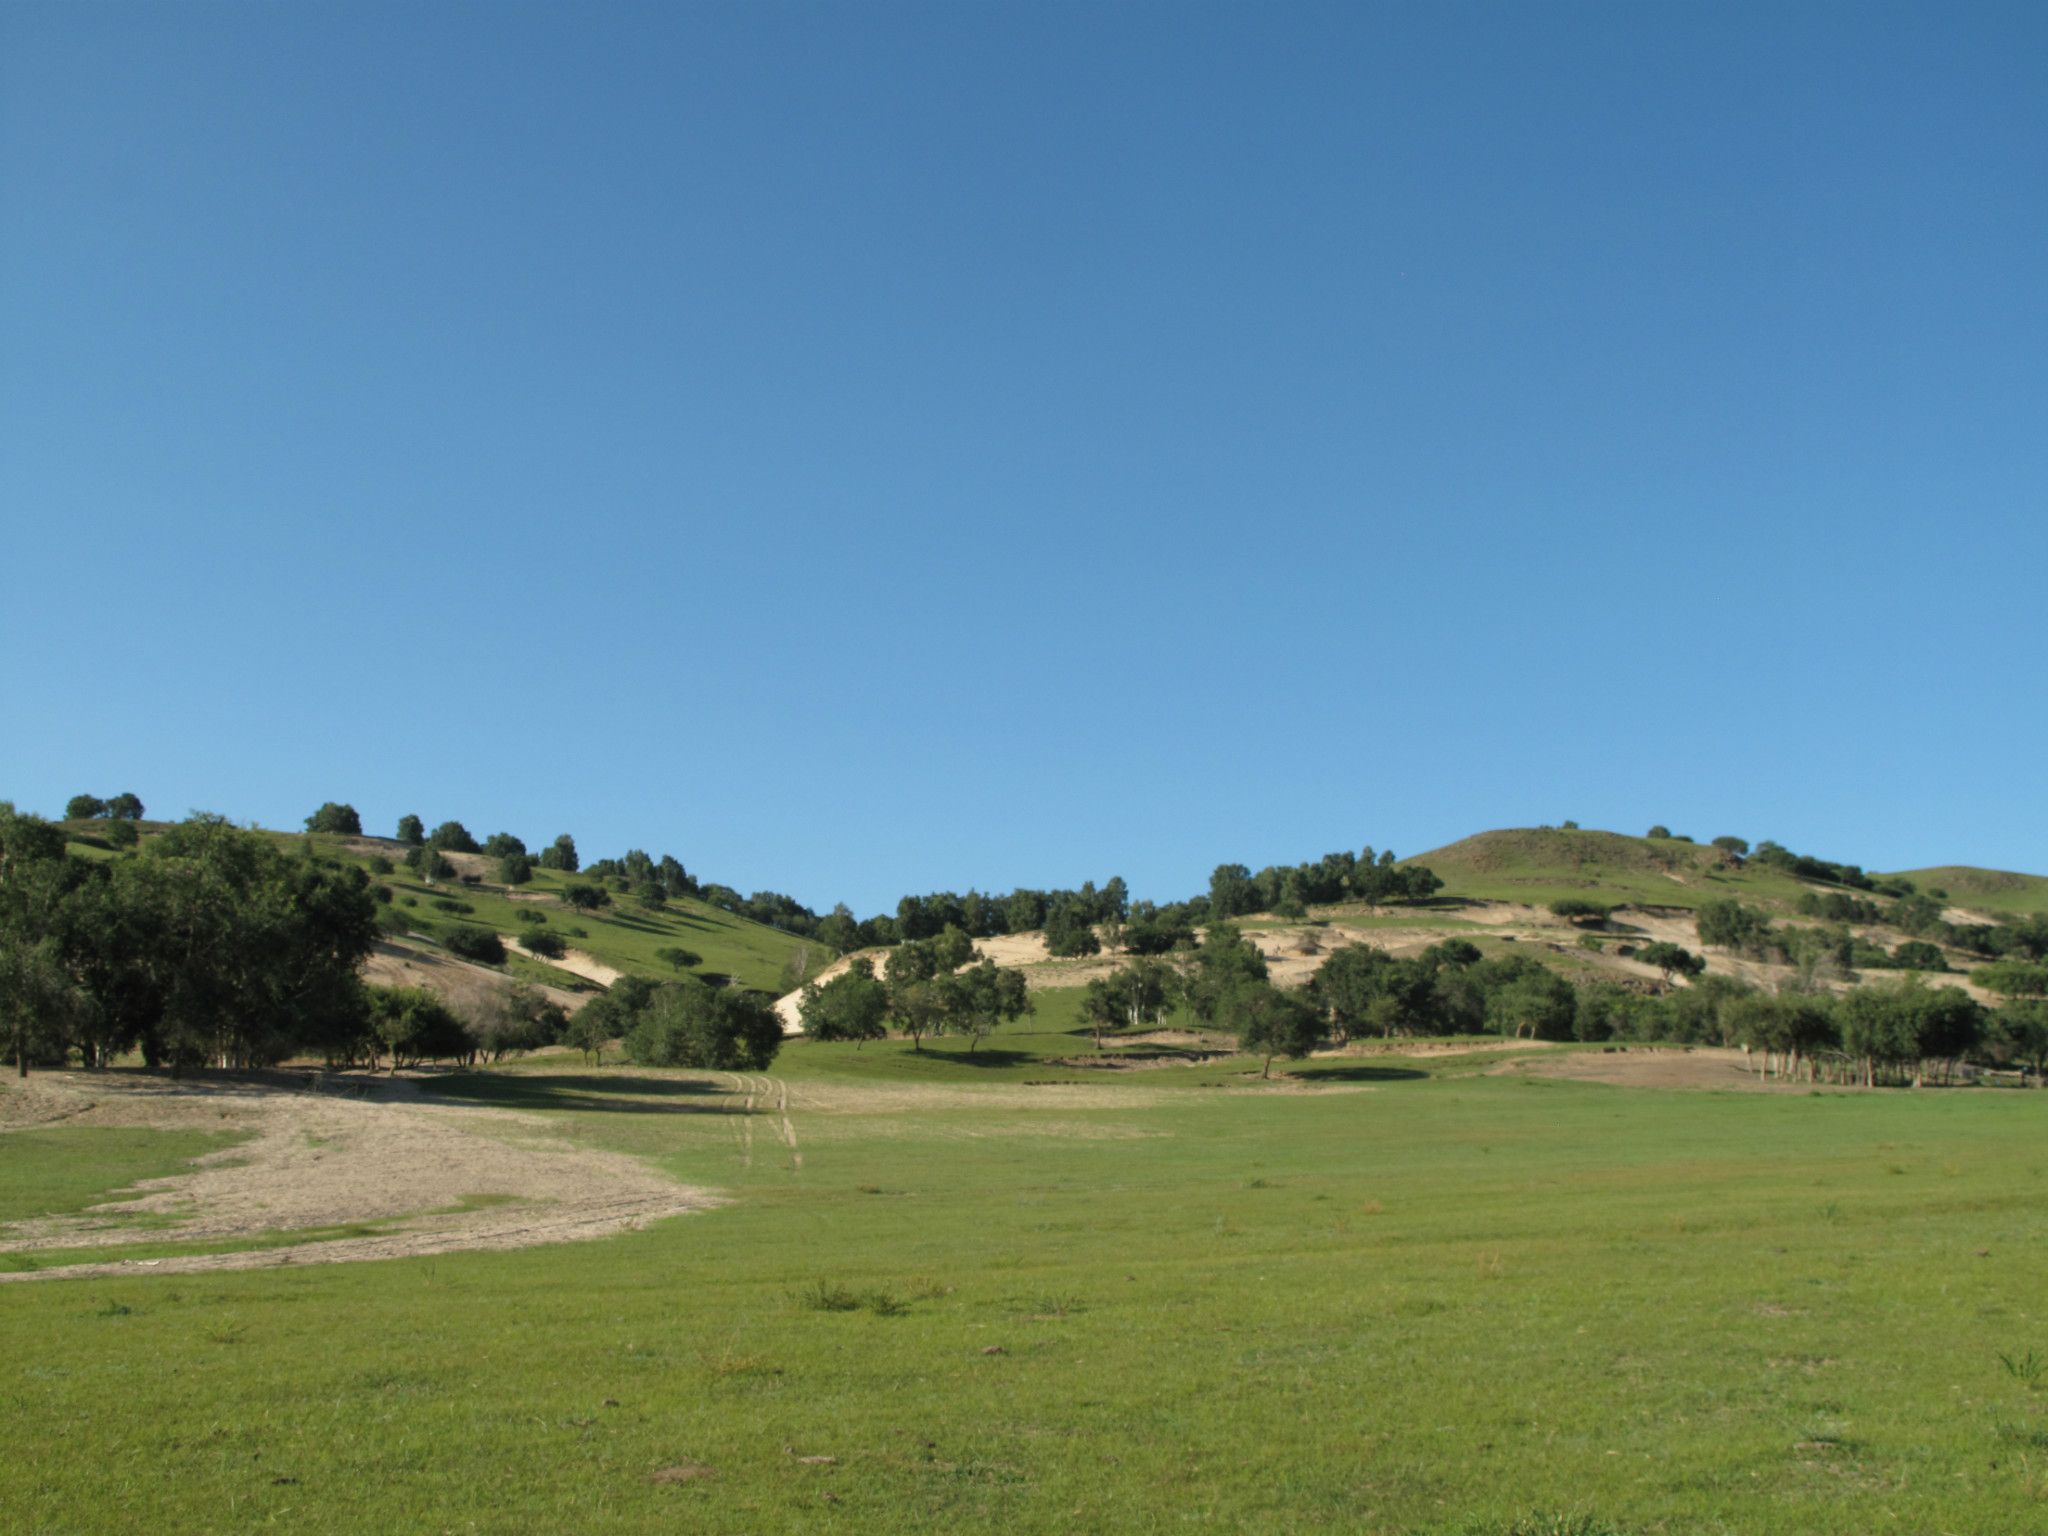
(862,448)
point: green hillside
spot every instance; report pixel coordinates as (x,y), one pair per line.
(1990,890)
(1545,864)
(624,935)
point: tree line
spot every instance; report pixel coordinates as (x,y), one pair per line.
(214,946)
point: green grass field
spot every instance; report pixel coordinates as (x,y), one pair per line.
(1386,1296)
(1996,891)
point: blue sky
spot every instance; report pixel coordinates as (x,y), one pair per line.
(874,448)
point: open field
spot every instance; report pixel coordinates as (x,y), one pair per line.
(1387,1293)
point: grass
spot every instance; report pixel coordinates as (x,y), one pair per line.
(1540,865)
(1432,1303)
(61,1170)
(1996,891)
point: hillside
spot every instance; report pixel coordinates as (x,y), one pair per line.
(2000,892)
(1545,864)
(624,937)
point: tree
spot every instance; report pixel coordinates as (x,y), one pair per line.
(1363,986)
(585,898)
(1269,1023)
(1671,958)
(688,1024)
(2019,1032)
(512,1019)
(453,837)
(1660,832)
(1226,963)
(515,868)
(851,1006)
(545,945)
(413,1025)
(122,834)
(1535,1002)
(2012,978)
(560,854)
(84,808)
(1739,846)
(125,807)
(475,944)
(838,931)
(340,820)
(1232,892)
(590,1029)
(1069,933)
(1126,997)
(411,831)
(982,997)
(1731,925)
(1919,955)
(677,958)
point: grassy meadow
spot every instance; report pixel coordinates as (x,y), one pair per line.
(993,1294)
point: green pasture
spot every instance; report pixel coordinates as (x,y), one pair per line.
(1997,891)
(1382,1295)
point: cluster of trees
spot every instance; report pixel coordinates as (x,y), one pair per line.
(214,946)
(122,807)
(928,987)
(1902,1031)
(1749,931)
(684,1023)
(1290,890)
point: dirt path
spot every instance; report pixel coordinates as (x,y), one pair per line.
(381,1154)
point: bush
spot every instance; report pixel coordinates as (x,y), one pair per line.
(444,904)
(122,834)
(379,865)
(1919,955)
(475,944)
(532,915)
(1580,911)
(546,945)
(381,894)
(515,869)
(586,898)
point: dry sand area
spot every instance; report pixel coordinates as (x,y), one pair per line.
(1652,1067)
(365,1152)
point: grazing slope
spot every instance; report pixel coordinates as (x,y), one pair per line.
(1543,864)
(1998,891)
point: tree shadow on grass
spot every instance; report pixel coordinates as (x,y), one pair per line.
(1353,1074)
(985,1057)
(650,1095)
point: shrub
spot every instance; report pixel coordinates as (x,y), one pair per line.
(380,865)
(381,894)
(532,915)
(1577,910)
(122,834)
(444,904)
(475,944)
(547,945)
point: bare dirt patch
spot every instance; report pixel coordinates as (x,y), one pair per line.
(575,961)
(1648,1067)
(462,985)
(362,1152)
